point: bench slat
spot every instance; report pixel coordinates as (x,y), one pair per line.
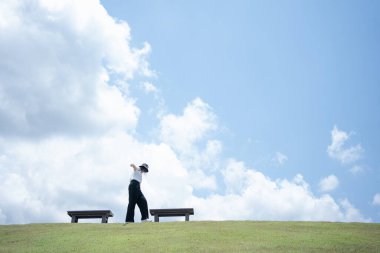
(89,214)
(170,212)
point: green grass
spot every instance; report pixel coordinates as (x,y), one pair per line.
(228,236)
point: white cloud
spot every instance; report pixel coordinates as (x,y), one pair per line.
(41,181)
(356,169)
(337,149)
(57,60)
(159,109)
(149,87)
(351,213)
(280,159)
(252,195)
(329,183)
(67,124)
(2,217)
(199,180)
(187,135)
(234,176)
(182,132)
(376,199)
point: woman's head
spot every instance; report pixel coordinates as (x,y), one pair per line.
(144,168)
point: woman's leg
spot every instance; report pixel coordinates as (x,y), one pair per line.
(143,206)
(133,197)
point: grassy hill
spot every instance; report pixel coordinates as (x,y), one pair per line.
(228,236)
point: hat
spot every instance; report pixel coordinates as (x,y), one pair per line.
(144,167)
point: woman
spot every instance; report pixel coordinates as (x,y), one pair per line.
(135,194)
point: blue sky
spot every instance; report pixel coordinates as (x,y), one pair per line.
(279,76)
(266,109)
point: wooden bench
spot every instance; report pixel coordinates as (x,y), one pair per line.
(90,214)
(157,213)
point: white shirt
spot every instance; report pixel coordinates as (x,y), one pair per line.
(137,175)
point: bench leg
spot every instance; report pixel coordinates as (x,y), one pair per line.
(74,219)
(104,219)
(187,217)
(156,218)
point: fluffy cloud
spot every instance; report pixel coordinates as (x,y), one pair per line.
(376,199)
(149,88)
(187,134)
(67,125)
(280,159)
(2,217)
(182,132)
(356,169)
(65,68)
(41,181)
(339,151)
(252,195)
(56,65)
(329,183)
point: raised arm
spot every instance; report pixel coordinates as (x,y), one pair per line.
(134,167)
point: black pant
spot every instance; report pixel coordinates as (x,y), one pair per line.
(136,197)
